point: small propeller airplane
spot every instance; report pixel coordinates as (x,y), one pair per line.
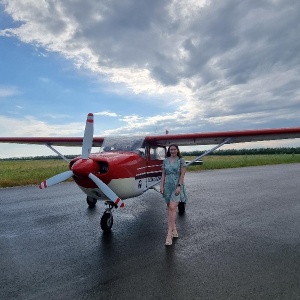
(127,167)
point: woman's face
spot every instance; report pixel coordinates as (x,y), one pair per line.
(173,151)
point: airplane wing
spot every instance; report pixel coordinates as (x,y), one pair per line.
(52,141)
(212,138)
(186,139)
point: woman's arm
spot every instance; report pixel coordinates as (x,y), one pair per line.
(162,182)
(182,173)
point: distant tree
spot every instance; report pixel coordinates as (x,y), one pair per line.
(258,151)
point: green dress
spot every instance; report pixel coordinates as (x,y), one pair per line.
(172,172)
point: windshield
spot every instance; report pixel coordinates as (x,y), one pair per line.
(123,143)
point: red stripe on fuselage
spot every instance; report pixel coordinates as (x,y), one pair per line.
(148,174)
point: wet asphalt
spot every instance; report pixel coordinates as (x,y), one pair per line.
(239,239)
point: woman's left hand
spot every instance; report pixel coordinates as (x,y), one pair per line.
(177,191)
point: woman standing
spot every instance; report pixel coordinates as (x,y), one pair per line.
(172,187)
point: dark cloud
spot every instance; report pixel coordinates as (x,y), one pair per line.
(230,59)
(164,76)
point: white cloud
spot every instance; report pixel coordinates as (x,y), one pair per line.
(56,116)
(106,113)
(217,64)
(8,91)
(30,126)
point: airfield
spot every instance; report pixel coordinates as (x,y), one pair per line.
(239,239)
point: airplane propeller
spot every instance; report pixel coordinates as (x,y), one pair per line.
(56,179)
(85,167)
(88,136)
(106,190)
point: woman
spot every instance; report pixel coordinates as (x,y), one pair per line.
(172,187)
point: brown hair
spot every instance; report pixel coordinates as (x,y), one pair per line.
(178,153)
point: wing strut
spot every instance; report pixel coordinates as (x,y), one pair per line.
(202,155)
(209,151)
(54,150)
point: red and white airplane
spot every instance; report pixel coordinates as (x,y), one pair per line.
(128,167)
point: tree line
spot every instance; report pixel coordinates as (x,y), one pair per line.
(70,157)
(259,151)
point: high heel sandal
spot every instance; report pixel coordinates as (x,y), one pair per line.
(169,240)
(175,233)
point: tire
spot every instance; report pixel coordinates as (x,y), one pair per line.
(181,208)
(106,221)
(91,201)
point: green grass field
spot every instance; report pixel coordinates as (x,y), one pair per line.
(29,172)
(211,162)
(32,172)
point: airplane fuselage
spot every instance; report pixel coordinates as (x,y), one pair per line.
(128,174)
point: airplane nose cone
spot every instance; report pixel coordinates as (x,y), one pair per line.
(83,167)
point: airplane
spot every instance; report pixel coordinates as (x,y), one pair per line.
(127,167)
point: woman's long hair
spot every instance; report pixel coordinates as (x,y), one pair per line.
(178,153)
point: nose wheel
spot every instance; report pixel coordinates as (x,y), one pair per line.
(107,218)
(91,201)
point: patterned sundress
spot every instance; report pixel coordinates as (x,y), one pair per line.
(172,172)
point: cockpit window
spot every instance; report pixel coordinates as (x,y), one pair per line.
(157,152)
(131,144)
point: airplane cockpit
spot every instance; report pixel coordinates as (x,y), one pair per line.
(157,152)
(128,144)
(133,144)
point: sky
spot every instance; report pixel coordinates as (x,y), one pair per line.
(146,66)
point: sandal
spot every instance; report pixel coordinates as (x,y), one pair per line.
(175,233)
(169,240)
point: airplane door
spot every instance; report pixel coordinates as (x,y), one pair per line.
(155,157)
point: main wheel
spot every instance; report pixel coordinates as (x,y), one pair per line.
(181,208)
(106,221)
(91,201)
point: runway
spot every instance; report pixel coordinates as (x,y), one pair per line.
(239,239)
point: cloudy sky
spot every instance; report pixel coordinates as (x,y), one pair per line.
(146,66)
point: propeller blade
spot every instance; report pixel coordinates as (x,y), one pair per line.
(106,190)
(56,179)
(88,136)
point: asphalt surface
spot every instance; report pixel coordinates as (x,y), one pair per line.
(239,239)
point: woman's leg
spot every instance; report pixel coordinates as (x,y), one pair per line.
(172,207)
(169,236)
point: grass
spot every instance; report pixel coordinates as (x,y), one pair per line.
(29,172)
(211,162)
(33,172)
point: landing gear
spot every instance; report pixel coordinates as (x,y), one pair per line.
(91,201)
(181,208)
(107,219)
